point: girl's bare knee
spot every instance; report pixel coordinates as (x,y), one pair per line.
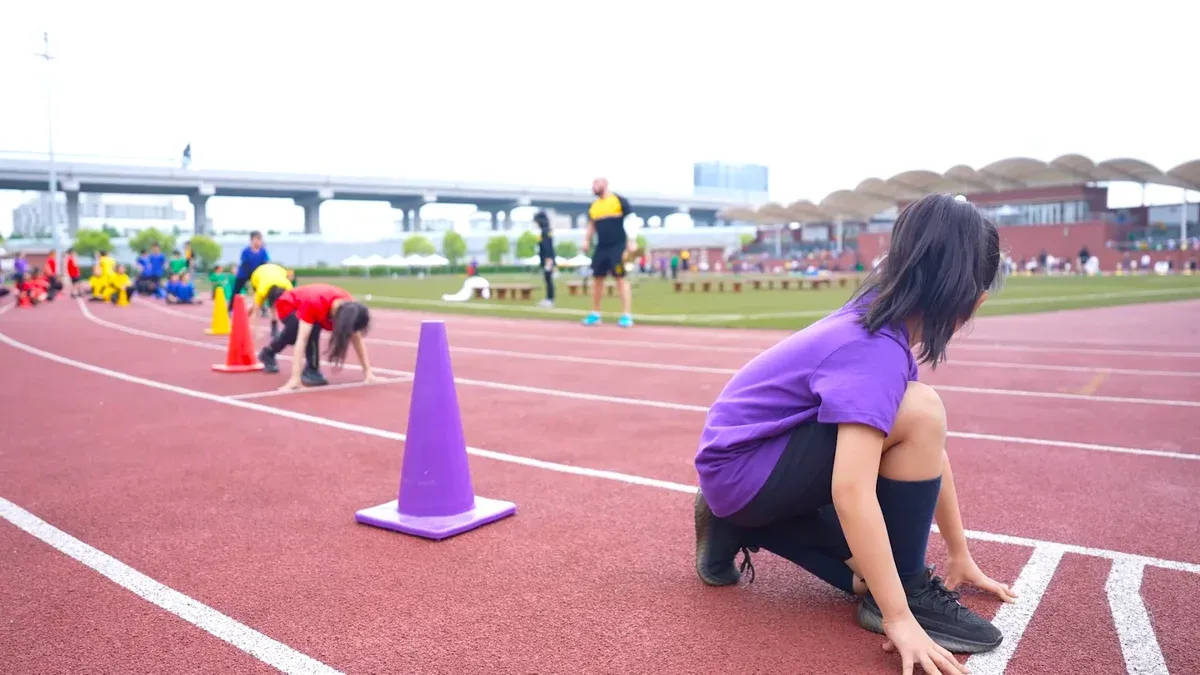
(913,451)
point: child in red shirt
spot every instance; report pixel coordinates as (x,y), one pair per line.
(303,312)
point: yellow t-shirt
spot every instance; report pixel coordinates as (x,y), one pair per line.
(120,281)
(107,265)
(264,277)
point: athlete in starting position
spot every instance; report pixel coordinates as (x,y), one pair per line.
(826,450)
(304,312)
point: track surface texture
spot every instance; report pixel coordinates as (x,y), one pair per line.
(156,516)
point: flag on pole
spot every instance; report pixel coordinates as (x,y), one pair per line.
(187,155)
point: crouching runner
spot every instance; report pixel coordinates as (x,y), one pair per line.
(304,312)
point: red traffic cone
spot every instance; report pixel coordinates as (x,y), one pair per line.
(436,498)
(239,358)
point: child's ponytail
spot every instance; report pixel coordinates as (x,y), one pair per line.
(944,255)
(350,318)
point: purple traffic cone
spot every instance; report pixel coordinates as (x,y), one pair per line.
(436,499)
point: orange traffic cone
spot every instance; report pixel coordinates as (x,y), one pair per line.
(239,358)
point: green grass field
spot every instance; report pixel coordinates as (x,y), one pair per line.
(655,300)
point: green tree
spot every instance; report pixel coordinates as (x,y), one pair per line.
(643,246)
(150,236)
(497,247)
(112,232)
(454,247)
(419,245)
(207,251)
(527,245)
(747,239)
(90,242)
(567,249)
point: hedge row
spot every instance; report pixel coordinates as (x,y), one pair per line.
(382,272)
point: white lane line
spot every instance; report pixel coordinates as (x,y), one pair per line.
(1139,644)
(645,365)
(537,463)
(269,651)
(1013,618)
(684,407)
(675,346)
(329,387)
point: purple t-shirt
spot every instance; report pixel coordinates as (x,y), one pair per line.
(833,371)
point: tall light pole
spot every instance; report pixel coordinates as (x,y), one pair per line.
(51,210)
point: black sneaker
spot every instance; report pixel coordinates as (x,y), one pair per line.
(312,377)
(717,546)
(951,625)
(268,360)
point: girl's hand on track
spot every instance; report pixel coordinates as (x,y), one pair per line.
(914,645)
(964,570)
(290,385)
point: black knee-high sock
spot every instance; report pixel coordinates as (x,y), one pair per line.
(312,353)
(815,543)
(908,512)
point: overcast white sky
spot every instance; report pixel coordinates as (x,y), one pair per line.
(556,92)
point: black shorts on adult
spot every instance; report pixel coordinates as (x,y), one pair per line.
(609,261)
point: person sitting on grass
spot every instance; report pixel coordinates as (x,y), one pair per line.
(181,290)
(304,312)
(827,451)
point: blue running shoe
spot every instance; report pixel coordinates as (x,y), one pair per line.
(592,319)
(626,321)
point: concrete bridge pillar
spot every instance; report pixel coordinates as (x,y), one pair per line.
(72,213)
(312,210)
(199,213)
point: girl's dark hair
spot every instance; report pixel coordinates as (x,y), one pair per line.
(943,256)
(350,318)
(542,220)
(273,292)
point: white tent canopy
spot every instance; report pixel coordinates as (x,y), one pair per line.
(354,261)
(375,261)
(435,260)
(531,260)
(396,260)
(578,261)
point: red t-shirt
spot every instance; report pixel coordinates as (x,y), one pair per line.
(51,267)
(72,267)
(312,303)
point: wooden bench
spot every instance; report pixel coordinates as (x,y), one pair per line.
(706,285)
(504,291)
(582,287)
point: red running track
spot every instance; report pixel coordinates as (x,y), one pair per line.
(252,514)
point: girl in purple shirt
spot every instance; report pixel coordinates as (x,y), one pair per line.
(826,450)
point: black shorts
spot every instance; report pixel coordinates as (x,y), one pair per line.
(801,484)
(609,261)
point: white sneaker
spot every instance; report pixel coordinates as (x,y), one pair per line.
(546,303)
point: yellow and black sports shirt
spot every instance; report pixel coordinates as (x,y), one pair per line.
(608,214)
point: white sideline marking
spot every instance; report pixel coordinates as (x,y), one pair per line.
(1139,644)
(1013,618)
(660,404)
(1185,292)
(261,647)
(756,350)
(329,387)
(542,464)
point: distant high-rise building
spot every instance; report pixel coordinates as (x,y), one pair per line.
(742,182)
